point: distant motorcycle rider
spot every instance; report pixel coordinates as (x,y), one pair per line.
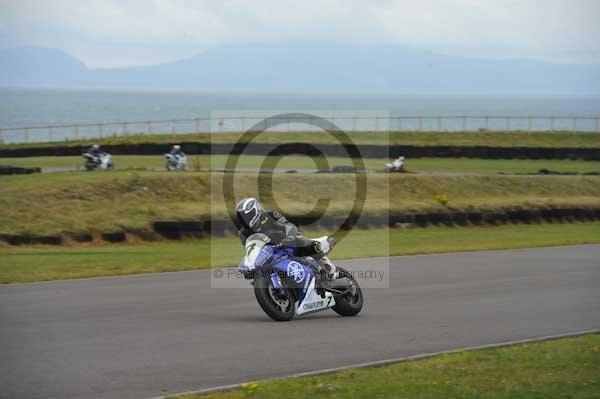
(252,218)
(95,150)
(177,151)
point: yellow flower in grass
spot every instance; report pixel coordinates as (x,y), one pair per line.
(442,199)
(251,388)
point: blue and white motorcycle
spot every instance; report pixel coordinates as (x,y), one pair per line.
(285,285)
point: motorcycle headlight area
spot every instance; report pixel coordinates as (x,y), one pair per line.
(264,255)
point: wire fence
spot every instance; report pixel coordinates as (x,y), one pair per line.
(232,124)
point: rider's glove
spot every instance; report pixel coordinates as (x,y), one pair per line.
(288,242)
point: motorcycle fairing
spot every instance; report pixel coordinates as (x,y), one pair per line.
(302,277)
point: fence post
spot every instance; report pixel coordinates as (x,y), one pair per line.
(50,133)
(464,125)
(399,124)
(101,129)
(529,125)
(77,132)
(439,123)
(487,123)
(551,123)
(148,127)
(354,123)
(420,123)
(125,133)
(172,127)
(574,125)
(508,123)
(27,135)
(1,136)
(376,123)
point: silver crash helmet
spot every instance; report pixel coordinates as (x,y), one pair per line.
(250,213)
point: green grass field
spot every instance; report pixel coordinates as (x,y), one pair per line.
(128,200)
(494,139)
(75,202)
(37,263)
(455,165)
(564,368)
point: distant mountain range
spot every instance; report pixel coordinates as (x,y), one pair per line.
(307,67)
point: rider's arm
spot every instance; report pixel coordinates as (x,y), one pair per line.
(290,231)
(244,234)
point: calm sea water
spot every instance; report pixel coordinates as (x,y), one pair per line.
(31,107)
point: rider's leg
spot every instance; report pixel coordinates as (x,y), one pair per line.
(317,250)
(306,247)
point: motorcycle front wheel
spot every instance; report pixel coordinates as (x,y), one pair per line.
(349,304)
(277,304)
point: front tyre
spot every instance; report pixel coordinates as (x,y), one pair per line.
(349,304)
(277,305)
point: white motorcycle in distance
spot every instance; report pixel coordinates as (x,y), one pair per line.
(176,162)
(102,161)
(397,165)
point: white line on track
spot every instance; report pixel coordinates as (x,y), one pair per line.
(386,362)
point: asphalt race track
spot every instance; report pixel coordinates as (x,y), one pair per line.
(149,335)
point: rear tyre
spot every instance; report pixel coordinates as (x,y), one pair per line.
(349,304)
(277,305)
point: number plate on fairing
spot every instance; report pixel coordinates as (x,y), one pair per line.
(314,302)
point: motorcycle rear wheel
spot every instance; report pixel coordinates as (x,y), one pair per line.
(348,305)
(276,307)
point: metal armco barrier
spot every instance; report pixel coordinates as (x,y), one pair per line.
(231,124)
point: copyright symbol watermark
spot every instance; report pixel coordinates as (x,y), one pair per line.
(218,273)
(272,157)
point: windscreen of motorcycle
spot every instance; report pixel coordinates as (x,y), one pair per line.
(257,251)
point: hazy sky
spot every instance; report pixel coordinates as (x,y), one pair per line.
(107,33)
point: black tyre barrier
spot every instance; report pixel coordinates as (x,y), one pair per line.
(81,237)
(402,218)
(26,239)
(368,151)
(176,230)
(440,219)
(344,169)
(460,218)
(15,170)
(222,227)
(142,234)
(114,236)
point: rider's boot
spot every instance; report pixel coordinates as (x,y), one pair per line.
(328,268)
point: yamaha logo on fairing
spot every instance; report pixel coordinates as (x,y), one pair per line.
(314,305)
(296,271)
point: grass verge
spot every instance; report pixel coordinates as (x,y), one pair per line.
(27,264)
(492,139)
(457,165)
(563,368)
(125,200)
